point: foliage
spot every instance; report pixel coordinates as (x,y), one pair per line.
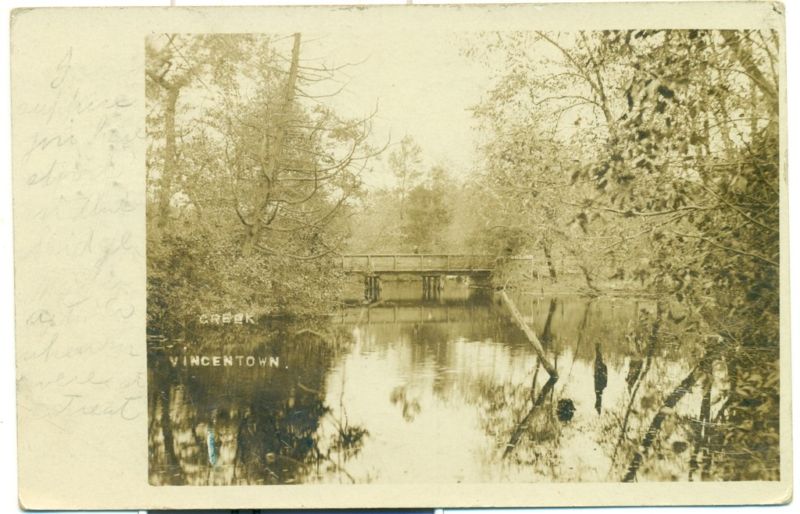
(661,148)
(415,216)
(250,176)
(426,213)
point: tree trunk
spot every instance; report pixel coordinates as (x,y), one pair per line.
(257,224)
(170,160)
(588,278)
(403,197)
(547,331)
(549,258)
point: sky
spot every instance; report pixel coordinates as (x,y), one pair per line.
(422,85)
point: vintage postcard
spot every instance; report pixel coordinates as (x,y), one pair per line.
(409,256)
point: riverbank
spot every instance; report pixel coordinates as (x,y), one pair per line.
(569,285)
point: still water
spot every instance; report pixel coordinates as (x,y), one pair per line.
(409,391)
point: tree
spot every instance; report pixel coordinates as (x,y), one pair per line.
(260,172)
(405,163)
(427,214)
(174,63)
(291,168)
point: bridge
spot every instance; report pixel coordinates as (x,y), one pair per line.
(430,267)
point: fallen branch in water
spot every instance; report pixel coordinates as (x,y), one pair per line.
(530,334)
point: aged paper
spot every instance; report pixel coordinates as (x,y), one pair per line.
(455,256)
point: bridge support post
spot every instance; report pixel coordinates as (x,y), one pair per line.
(372,287)
(432,285)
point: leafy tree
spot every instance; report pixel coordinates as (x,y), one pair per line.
(250,178)
(174,63)
(427,213)
(374,224)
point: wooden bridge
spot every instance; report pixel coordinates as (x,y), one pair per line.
(432,268)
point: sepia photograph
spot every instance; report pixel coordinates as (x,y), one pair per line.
(401,257)
(463,256)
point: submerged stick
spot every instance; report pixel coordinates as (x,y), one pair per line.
(530,334)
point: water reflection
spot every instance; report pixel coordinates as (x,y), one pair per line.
(240,424)
(444,390)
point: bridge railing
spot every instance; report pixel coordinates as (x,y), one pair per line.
(417,262)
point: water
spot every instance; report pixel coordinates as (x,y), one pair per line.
(413,391)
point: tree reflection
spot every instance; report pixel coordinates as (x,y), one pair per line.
(247,425)
(670,409)
(525,424)
(163,456)
(409,404)
(600,378)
